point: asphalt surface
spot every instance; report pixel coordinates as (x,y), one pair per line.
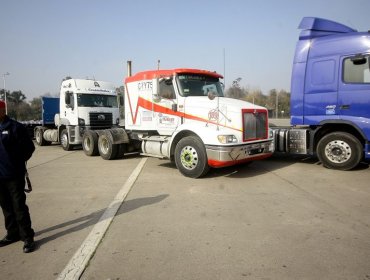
(281,218)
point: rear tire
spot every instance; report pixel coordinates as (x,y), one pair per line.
(339,150)
(90,143)
(107,150)
(191,157)
(39,137)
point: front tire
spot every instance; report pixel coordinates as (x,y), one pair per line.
(339,150)
(90,143)
(64,141)
(191,157)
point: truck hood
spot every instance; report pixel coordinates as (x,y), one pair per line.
(222,111)
(225,104)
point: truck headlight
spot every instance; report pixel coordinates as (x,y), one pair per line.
(81,122)
(271,133)
(226,139)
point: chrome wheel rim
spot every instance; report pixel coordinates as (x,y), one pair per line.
(189,157)
(64,140)
(87,144)
(38,136)
(338,151)
(104,146)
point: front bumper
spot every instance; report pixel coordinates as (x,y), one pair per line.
(221,156)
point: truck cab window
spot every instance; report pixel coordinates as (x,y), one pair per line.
(199,85)
(166,89)
(94,100)
(70,100)
(356,70)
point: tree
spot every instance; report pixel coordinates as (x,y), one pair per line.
(19,109)
(15,101)
(271,99)
(284,103)
(23,111)
(16,97)
(235,91)
(278,102)
(2,94)
(256,97)
(36,107)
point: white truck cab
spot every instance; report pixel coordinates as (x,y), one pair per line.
(84,106)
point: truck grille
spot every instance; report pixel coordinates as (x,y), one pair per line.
(255,125)
(100,120)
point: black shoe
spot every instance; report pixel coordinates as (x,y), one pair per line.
(29,246)
(7,240)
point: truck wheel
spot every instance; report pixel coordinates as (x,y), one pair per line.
(39,137)
(106,148)
(191,158)
(339,150)
(90,143)
(64,141)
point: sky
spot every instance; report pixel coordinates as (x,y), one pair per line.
(43,41)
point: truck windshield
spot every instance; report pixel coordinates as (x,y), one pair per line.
(95,100)
(199,85)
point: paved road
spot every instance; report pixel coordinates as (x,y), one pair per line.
(281,218)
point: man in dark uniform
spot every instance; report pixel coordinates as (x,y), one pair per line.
(16,148)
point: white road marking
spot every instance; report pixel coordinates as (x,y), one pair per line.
(79,261)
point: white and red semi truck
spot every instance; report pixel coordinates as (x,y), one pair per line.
(183,115)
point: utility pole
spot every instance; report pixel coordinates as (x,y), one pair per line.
(277,105)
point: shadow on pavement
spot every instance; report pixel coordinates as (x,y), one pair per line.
(91,219)
(259,167)
(253,168)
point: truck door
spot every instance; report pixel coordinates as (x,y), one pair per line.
(321,89)
(354,88)
(167,118)
(68,111)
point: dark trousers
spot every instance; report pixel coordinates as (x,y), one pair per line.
(16,214)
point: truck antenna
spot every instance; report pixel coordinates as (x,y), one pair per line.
(224,58)
(158,64)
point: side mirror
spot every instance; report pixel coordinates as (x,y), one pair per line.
(359,60)
(121,100)
(168,81)
(211,95)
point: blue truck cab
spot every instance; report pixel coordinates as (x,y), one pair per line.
(330,95)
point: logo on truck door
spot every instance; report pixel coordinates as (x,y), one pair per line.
(213,115)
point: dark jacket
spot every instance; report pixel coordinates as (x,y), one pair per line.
(16,148)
